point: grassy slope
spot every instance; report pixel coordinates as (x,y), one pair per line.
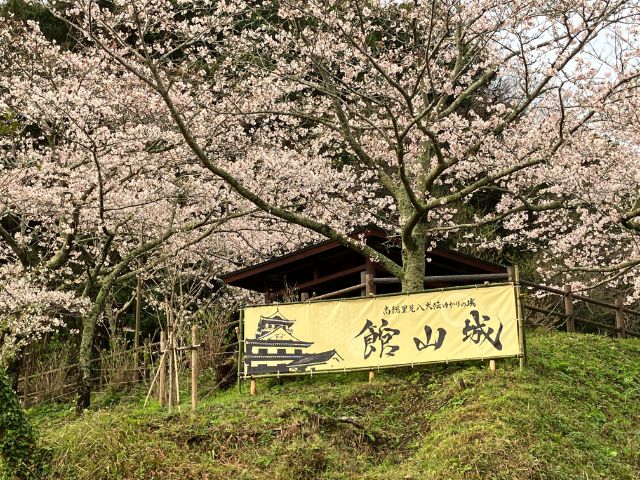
(574,413)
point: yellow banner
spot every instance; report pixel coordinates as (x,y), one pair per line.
(372,332)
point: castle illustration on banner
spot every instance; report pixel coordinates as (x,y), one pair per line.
(276,350)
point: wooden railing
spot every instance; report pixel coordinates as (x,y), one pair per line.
(368,282)
(570,318)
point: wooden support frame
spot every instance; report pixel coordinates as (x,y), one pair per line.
(513,274)
(368,282)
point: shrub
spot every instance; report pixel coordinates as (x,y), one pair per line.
(19,452)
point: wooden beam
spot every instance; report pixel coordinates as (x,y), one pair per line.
(447,278)
(360,286)
(325,279)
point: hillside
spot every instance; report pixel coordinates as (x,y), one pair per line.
(574,413)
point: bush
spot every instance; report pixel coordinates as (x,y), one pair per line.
(18,450)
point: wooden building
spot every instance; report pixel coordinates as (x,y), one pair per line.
(331,270)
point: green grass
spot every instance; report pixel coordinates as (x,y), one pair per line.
(574,413)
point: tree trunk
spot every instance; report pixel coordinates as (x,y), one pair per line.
(413,264)
(84,361)
(413,259)
(86,351)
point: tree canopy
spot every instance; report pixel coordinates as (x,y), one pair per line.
(165,124)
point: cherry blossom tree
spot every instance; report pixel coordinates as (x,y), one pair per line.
(169,120)
(99,189)
(93,193)
(597,244)
(30,310)
(331,114)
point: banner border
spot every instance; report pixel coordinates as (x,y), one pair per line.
(521,354)
(430,290)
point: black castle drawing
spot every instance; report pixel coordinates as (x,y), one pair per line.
(275,350)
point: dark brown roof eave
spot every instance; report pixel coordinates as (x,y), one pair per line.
(313,249)
(316,248)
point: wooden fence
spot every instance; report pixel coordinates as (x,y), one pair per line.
(529,291)
(138,366)
(619,313)
(145,364)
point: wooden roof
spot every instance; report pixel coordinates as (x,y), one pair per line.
(329,266)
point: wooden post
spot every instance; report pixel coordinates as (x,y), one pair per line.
(136,338)
(369,289)
(171,375)
(252,387)
(492,365)
(370,275)
(304,296)
(146,359)
(162,369)
(267,294)
(511,274)
(568,308)
(194,367)
(620,318)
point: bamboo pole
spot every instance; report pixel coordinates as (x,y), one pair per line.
(514,276)
(511,277)
(171,376)
(136,338)
(360,286)
(240,334)
(238,362)
(162,369)
(194,367)
(367,280)
(177,377)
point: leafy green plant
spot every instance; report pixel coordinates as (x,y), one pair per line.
(18,449)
